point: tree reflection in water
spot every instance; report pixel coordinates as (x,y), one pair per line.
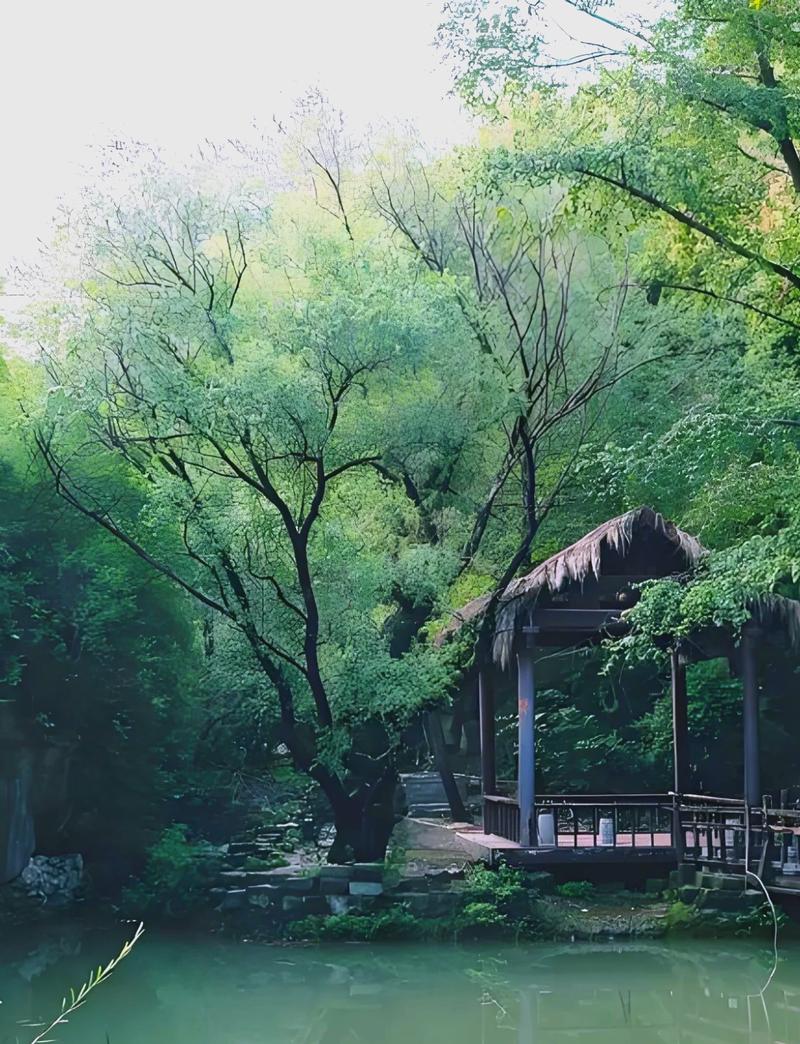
(203,990)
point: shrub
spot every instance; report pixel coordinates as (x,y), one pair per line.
(477,919)
(681,916)
(759,920)
(502,888)
(176,878)
(395,923)
(576,890)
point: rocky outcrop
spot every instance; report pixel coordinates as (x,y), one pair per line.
(55,879)
(33,792)
(17,840)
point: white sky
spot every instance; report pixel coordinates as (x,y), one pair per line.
(77,73)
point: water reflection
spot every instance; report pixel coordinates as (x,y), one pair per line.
(203,990)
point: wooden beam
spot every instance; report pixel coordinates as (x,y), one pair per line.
(526,708)
(588,620)
(752,767)
(486,711)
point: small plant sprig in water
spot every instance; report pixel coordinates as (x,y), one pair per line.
(76,1000)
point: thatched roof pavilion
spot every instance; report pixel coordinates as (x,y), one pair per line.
(579,595)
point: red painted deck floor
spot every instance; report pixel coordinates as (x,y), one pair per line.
(584,840)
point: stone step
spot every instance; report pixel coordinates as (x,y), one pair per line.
(233,899)
(434,810)
(727,901)
(728,882)
(236,847)
(248,878)
(233,876)
(258,853)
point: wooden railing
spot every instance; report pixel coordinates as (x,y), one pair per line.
(501,816)
(723,834)
(708,831)
(713,830)
(638,820)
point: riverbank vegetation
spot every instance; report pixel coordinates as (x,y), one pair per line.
(274,415)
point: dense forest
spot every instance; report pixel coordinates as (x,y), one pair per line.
(272,417)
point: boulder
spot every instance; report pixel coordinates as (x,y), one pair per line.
(300,885)
(418,903)
(55,878)
(442,904)
(304,905)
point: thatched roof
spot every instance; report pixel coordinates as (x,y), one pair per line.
(473,610)
(778,611)
(583,560)
(576,564)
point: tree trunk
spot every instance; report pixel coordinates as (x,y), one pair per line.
(364,823)
(433,730)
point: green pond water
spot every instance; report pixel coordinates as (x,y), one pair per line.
(184,989)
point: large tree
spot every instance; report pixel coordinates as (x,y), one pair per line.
(691,120)
(90,644)
(338,412)
(243,380)
(546,305)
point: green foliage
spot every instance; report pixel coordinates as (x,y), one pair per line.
(98,661)
(760,920)
(696,920)
(681,916)
(477,919)
(491,46)
(502,888)
(317,431)
(715,736)
(315,419)
(394,923)
(176,878)
(271,862)
(576,890)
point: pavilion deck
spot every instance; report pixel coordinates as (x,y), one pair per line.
(578,598)
(642,830)
(714,834)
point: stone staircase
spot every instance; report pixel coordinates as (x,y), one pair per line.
(423,795)
(253,861)
(720,893)
(292,889)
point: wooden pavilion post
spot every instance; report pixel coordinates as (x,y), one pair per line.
(752,768)
(486,714)
(680,725)
(526,702)
(680,746)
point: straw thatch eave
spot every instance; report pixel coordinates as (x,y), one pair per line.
(582,561)
(777,612)
(576,564)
